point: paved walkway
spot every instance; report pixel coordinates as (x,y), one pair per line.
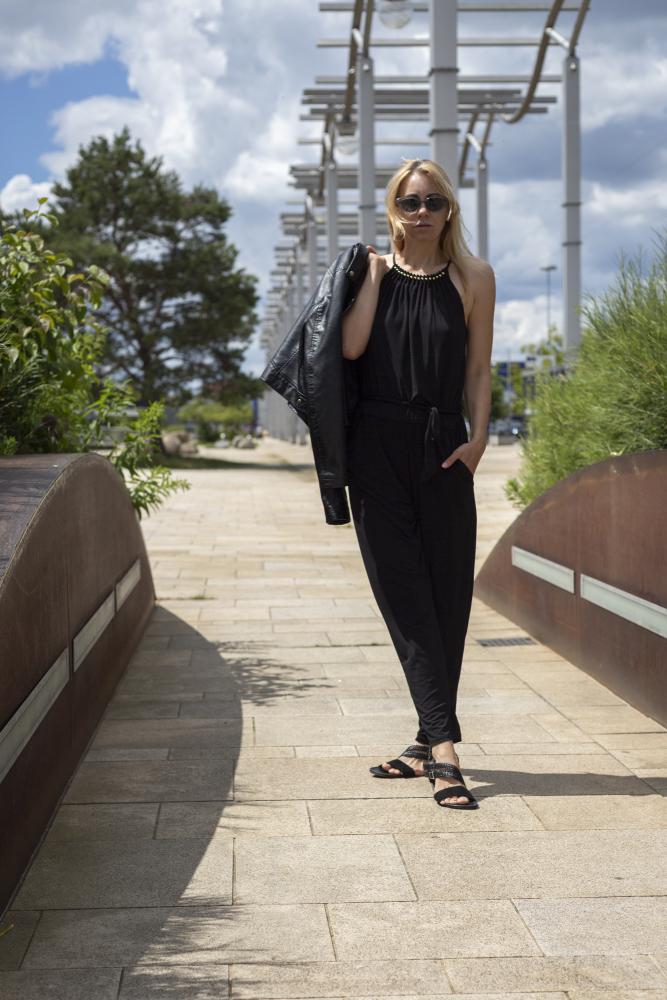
(223,836)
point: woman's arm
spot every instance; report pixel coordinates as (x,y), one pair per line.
(358,321)
(477,387)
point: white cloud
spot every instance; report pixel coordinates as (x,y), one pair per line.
(78,121)
(522,321)
(622,84)
(261,173)
(637,206)
(22,192)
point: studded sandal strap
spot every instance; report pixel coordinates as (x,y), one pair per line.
(438,769)
(415,750)
(453,792)
(401,766)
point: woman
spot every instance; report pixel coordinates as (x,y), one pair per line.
(421,329)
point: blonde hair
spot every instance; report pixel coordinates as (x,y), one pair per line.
(452,241)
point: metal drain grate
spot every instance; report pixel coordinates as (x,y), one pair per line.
(519,640)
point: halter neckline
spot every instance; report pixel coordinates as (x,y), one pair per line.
(419,277)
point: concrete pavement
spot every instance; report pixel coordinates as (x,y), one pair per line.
(223,837)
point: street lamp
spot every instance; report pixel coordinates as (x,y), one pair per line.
(395,13)
(548,269)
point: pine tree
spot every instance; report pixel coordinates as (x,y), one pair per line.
(180,313)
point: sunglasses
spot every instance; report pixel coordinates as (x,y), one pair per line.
(411,203)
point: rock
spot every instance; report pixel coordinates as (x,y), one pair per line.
(171,443)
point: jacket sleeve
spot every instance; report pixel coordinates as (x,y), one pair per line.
(285,372)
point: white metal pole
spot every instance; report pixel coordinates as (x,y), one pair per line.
(443,80)
(332,209)
(482,192)
(311,243)
(298,278)
(571,168)
(366,134)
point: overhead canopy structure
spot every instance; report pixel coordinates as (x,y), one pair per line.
(459,112)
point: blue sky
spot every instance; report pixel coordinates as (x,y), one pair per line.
(215,90)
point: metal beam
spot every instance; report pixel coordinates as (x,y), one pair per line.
(463,78)
(341,7)
(419,42)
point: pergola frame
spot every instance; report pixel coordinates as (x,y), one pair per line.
(451,103)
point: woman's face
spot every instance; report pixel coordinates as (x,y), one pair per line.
(422,226)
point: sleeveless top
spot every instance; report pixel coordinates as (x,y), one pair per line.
(416,358)
(416,351)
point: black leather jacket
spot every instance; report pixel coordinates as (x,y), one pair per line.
(319,384)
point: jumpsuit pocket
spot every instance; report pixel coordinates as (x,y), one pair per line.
(466,471)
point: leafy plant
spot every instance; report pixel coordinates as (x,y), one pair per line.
(52,398)
(613,401)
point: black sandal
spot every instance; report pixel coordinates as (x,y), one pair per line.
(436,769)
(416,750)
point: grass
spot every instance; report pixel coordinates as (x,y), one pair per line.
(613,401)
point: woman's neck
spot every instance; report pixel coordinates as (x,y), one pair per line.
(420,258)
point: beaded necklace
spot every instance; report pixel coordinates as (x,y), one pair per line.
(419,277)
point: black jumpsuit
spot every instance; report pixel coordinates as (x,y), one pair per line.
(416,522)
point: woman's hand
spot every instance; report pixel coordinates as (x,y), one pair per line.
(470,454)
(377,262)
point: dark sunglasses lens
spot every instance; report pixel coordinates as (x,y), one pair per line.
(436,202)
(408,205)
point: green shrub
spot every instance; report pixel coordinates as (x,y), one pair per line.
(211,417)
(614,399)
(51,397)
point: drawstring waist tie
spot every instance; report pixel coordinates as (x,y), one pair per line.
(397,409)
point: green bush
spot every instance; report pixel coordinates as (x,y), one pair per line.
(212,417)
(614,399)
(51,397)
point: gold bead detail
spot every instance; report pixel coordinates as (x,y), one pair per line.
(421,277)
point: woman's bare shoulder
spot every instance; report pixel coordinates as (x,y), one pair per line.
(475,269)
(479,278)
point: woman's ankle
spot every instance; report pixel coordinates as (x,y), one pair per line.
(444,750)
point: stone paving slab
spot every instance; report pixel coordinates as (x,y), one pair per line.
(600,973)
(109,822)
(103,938)
(19,927)
(223,837)
(400,727)
(433,929)
(183,820)
(492,865)
(643,811)
(75,984)
(194,982)
(319,870)
(413,816)
(620,926)
(78,874)
(229,731)
(150,781)
(342,979)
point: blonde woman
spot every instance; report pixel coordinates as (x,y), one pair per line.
(421,332)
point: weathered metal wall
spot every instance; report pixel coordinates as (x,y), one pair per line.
(75,594)
(583,570)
